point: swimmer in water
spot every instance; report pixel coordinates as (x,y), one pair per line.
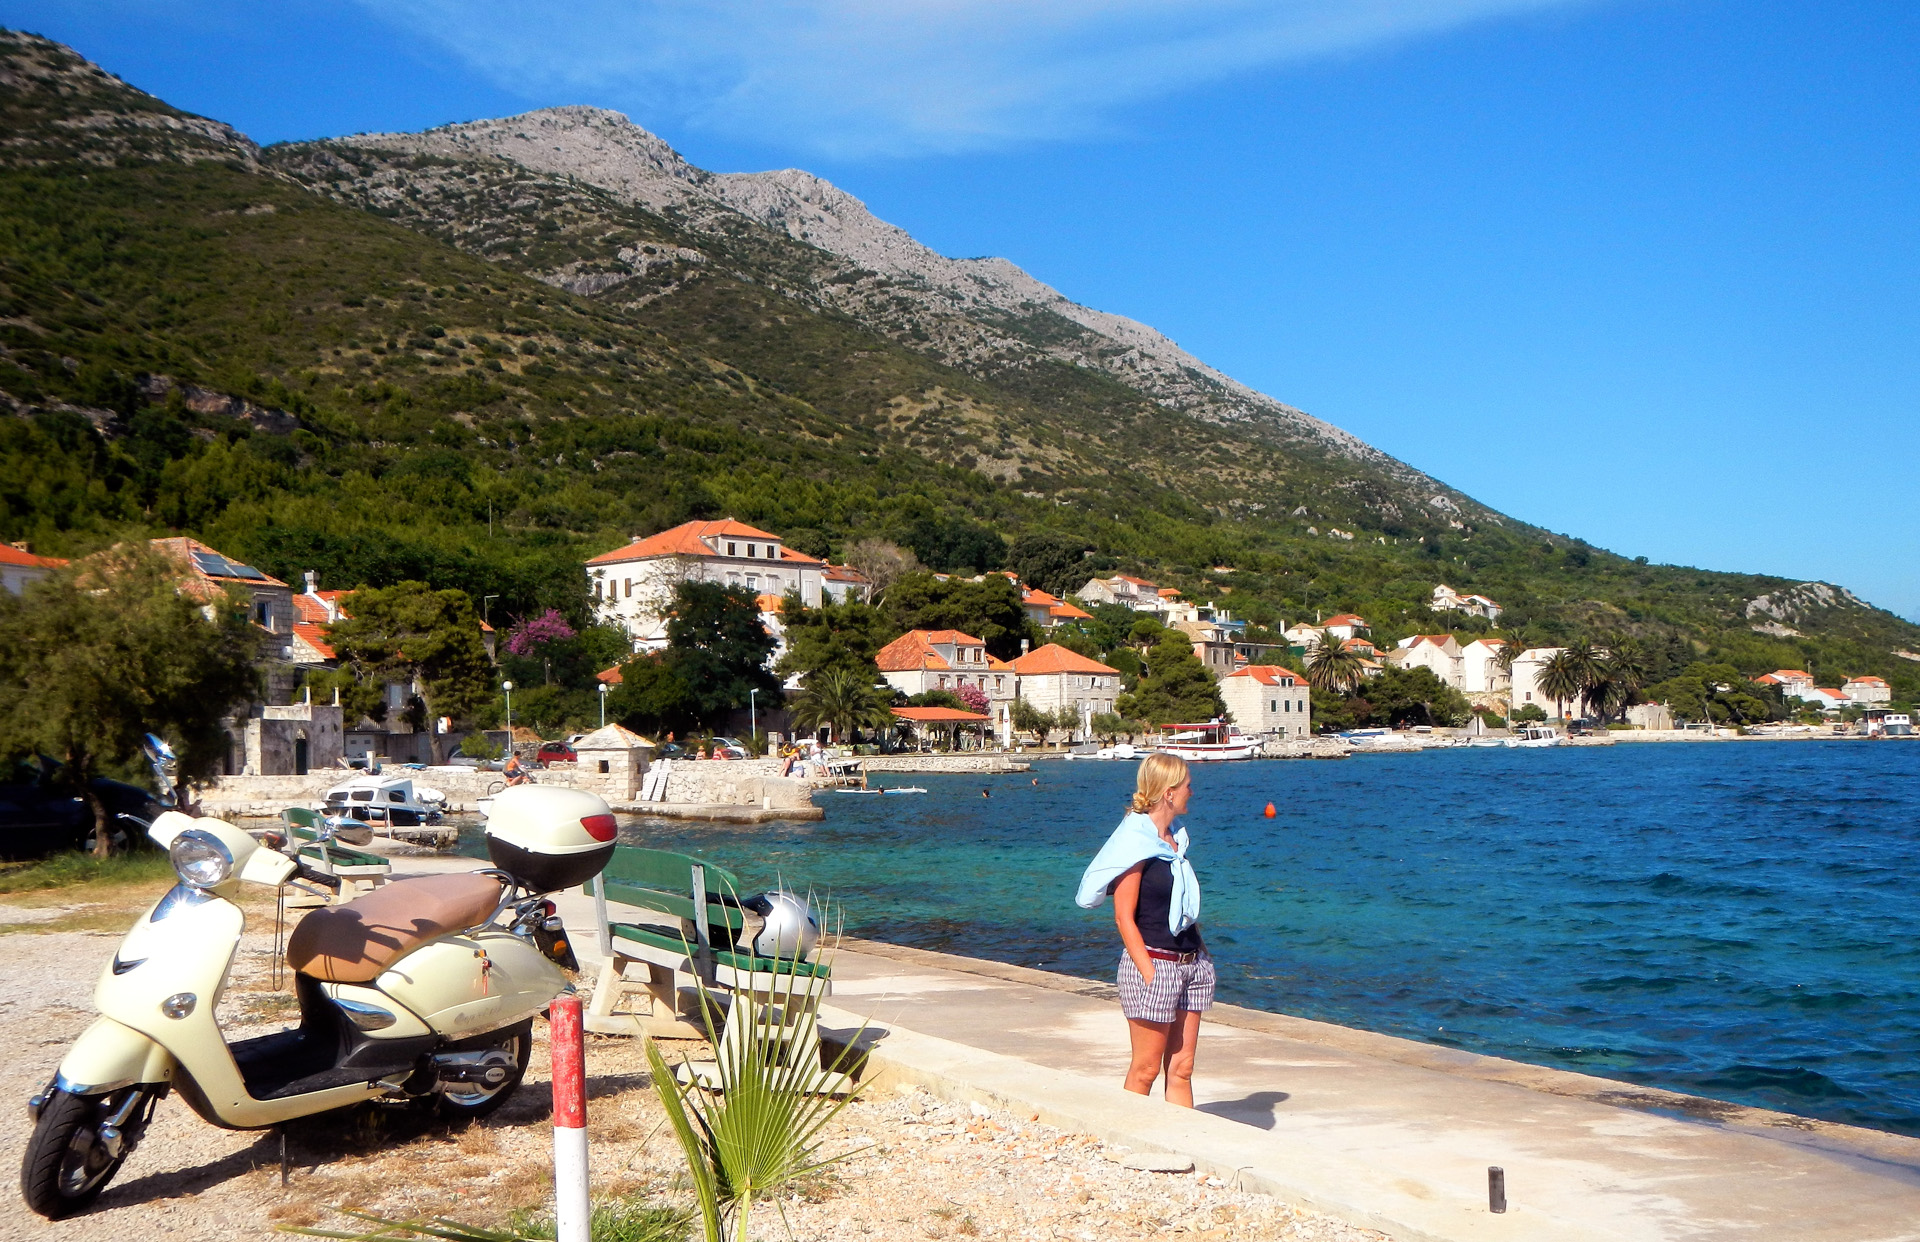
(985,794)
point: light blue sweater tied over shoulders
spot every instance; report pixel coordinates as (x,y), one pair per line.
(1135,839)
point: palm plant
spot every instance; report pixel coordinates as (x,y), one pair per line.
(843,700)
(1333,666)
(1516,640)
(760,1129)
(1561,677)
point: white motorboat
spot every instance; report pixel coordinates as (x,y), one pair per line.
(1211,742)
(1124,750)
(385,801)
(1534,736)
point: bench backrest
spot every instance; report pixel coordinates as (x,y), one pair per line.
(662,881)
(304,825)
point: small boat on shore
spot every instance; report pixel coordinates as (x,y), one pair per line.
(1122,751)
(391,804)
(1534,736)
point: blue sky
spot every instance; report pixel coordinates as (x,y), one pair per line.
(1643,271)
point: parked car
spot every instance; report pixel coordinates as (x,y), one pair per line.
(732,746)
(672,750)
(42,813)
(556,752)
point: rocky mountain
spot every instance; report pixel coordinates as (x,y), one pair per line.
(983,313)
(475,355)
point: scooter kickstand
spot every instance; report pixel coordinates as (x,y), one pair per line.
(286,1169)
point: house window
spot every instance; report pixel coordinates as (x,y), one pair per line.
(753,582)
(629,588)
(263,613)
(750,549)
(733,549)
(1273,705)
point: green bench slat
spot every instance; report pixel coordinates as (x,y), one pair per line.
(340,855)
(680,905)
(724,957)
(663,869)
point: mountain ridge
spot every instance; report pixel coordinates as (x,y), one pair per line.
(385,364)
(587,143)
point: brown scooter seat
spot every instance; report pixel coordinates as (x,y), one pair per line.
(354,942)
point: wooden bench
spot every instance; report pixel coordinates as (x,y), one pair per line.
(363,872)
(690,942)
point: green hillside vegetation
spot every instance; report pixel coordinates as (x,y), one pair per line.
(256,349)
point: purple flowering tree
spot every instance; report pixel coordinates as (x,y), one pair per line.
(531,637)
(973,698)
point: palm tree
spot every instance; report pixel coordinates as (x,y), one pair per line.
(843,700)
(1333,666)
(1561,677)
(1616,675)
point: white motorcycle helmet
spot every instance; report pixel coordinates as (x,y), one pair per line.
(789,929)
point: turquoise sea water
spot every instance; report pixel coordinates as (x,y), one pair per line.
(1734,921)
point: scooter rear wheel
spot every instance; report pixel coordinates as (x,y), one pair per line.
(470,1101)
(67,1165)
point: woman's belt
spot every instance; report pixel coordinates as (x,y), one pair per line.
(1168,955)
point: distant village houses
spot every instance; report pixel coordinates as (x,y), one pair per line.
(1446,599)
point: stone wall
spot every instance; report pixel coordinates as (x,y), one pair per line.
(977,761)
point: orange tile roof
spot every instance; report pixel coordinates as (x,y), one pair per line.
(1868,680)
(10,555)
(1167,592)
(314,636)
(915,650)
(610,675)
(1268,674)
(687,538)
(939,715)
(1034,595)
(996,665)
(1347,618)
(767,603)
(1136,581)
(1053,658)
(1791,674)
(845,573)
(1067,612)
(1358,644)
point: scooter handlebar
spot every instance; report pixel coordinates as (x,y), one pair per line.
(304,872)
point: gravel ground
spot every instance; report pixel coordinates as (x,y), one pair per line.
(921,1168)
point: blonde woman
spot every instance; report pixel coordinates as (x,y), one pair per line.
(1166,976)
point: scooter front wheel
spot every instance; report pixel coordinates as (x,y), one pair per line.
(68,1162)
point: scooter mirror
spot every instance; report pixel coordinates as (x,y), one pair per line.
(349,832)
(160,756)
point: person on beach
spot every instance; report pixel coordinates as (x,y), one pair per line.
(1166,975)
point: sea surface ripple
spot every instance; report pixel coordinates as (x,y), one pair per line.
(1734,921)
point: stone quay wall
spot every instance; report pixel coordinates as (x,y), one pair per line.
(977,761)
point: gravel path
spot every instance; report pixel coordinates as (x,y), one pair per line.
(923,1168)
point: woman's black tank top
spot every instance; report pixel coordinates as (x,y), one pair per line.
(1156,895)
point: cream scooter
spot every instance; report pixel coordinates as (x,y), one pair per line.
(418,992)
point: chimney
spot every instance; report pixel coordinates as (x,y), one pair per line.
(1023,646)
(313,582)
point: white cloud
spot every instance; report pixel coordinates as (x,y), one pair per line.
(861,77)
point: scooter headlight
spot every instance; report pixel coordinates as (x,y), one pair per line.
(200,858)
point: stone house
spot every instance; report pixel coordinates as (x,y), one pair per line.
(1481,673)
(1446,599)
(611,762)
(1213,646)
(1867,691)
(18,567)
(632,585)
(1053,678)
(1437,652)
(1123,589)
(1526,684)
(1346,625)
(1269,699)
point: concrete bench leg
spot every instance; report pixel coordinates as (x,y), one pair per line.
(609,1013)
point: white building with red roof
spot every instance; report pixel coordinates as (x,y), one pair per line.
(1269,699)
(1053,678)
(1526,685)
(1345,625)
(1439,653)
(632,585)
(18,567)
(1123,589)
(1867,691)
(1480,671)
(922,660)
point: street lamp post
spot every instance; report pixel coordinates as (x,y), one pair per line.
(508,687)
(753,713)
(603,704)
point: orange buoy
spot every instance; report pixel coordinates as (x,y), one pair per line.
(1270,812)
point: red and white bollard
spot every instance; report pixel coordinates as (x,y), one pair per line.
(572,1210)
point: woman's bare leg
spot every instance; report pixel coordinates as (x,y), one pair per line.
(1181,1034)
(1149,1053)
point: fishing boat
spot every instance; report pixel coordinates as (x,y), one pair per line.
(1213,741)
(1534,736)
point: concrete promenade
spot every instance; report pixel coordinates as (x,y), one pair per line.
(1384,1132)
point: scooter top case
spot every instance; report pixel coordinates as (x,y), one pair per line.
(550,838)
